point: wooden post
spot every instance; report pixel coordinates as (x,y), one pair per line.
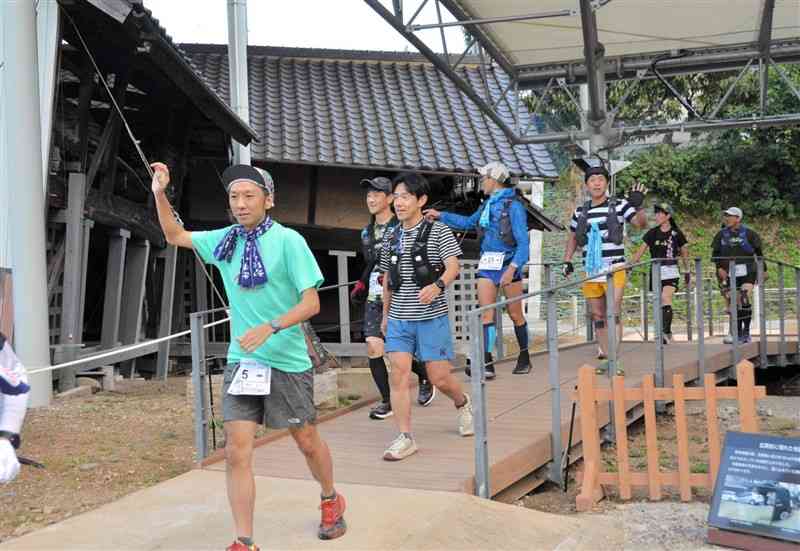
(133,288)
(747,398)
(713,428)
(621,425)
(71,326)
(344,295)
(683,437)
(87,235)
(651,438)
(170,256)
(590,490)
(115,271)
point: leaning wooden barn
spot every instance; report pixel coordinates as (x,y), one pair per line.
(320,121)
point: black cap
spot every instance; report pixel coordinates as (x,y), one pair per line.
(379,183)
(591,167)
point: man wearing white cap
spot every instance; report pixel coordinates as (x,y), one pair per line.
(736,241)
(501,223)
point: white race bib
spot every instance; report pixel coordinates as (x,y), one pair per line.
(491,261)
(669,272)
(375,288)
(741,270)
(251,379)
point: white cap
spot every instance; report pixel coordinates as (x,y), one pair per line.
(495,170)
(734,211)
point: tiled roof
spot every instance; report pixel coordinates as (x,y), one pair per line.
(390,110)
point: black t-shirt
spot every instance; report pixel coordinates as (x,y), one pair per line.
(665,244)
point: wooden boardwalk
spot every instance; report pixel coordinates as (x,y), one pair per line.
(519,426)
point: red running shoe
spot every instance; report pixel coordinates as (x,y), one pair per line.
(239,546)
(332,525)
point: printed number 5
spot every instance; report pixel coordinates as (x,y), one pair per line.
(244,374)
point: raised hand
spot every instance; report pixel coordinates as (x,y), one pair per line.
(160,177)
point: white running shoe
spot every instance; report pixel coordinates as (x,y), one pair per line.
(466,424)
(400,448)
(728,339)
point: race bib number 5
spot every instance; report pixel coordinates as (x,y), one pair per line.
(251,379)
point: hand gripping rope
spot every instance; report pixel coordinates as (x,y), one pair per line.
(136,146)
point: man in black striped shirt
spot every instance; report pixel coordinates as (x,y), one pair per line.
(600,233)
(419,260)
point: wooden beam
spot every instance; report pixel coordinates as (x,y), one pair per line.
(85,93)
(312,181)
(115,211)
(117,246)
(121,80)
(170,256)
(133,288)
(87,234)
(71,326)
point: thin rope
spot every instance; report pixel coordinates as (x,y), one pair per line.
(138,147)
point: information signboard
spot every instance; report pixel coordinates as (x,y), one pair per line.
(758,486)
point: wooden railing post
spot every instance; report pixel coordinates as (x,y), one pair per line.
(590,490)
(747,397)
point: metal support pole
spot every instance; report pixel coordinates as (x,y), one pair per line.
(734,308)
(646,300)
(22,134)
(797,308)
(762,317)
(710,310)
(689,309)
(478,382)
(587,312)
(701,338)
(658,329)
(782,314)
(611,329)
(198,384)
(555,382)
(237,62)
(499,344)
(658,318)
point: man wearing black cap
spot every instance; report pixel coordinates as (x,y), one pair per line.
(369,288)
(271,280)
(736,241)
(598,227)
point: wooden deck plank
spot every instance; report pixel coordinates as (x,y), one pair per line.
(518,425)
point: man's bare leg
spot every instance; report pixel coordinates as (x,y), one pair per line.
(441,376)
(317,454)
(400,394)
(239,437)
(598,308)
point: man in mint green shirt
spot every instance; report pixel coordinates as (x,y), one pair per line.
(271,280)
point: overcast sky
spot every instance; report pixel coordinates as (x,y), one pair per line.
(346,24)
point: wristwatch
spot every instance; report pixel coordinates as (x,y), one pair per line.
(276,326)
(440,284)
(12,437)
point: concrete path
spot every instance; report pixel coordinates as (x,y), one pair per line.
(191,512)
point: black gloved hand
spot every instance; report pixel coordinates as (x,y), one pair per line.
(567,269)
(636,195)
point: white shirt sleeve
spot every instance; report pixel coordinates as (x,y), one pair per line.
(14,390)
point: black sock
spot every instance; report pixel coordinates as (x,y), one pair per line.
(667,318)
(747,317)
(245,540)
(381,376)
(740,323)
(418,368)
(521,331)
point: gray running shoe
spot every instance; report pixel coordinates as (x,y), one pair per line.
(466,424)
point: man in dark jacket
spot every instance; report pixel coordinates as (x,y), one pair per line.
(736,241)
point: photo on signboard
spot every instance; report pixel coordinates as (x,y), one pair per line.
(758,486)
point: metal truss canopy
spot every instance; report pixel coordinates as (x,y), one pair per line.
(537,43)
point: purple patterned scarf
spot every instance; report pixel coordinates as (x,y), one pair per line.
(252,272)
